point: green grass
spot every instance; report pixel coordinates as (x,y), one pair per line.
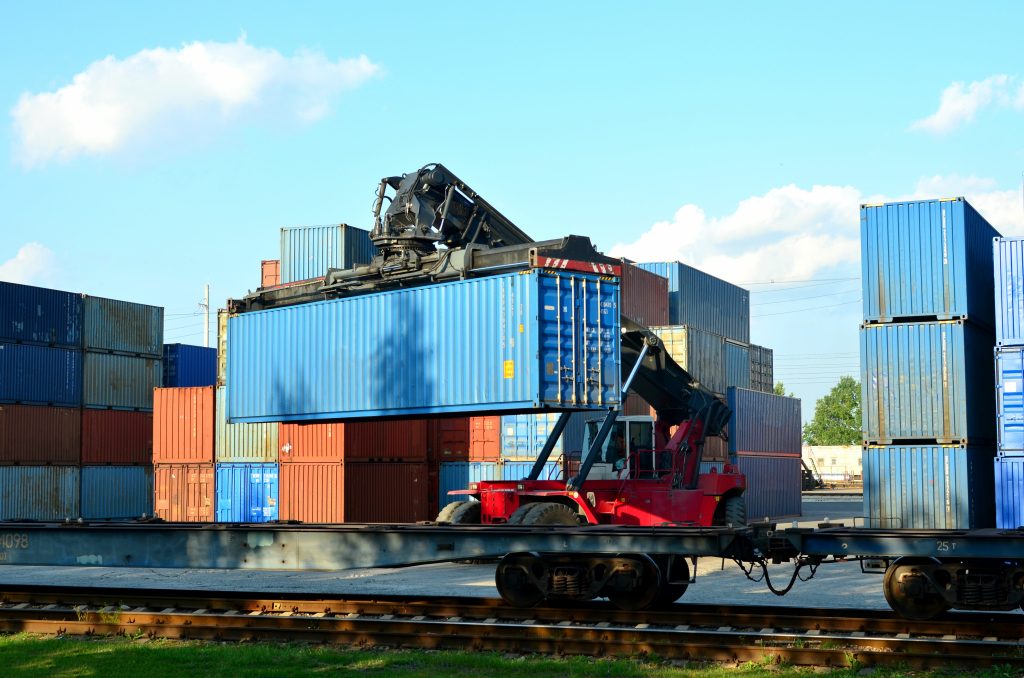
(30,655)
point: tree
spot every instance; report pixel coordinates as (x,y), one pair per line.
(836,416)
(780,389)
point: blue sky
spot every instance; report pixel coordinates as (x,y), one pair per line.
(739,137)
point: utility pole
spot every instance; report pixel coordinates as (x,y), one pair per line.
(206,307)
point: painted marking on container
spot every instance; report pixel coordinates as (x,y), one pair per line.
(509,369)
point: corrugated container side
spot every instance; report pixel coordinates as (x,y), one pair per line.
(1009,481)
(700,353)
(1010,400)
(183,425)
(40,375)
(47,493)
(308,251)
(184,492)
(513,353)
(186,365)
(117,437)
(457,475)
(702,301)
(40,435)
(270,272)
(241,443)
(394,492)
(246,493)
(123,327)
(1008,261)
(635,406)
(773,486)
(117,492)
(929,381)
(398,440)
(222,347)
(313,442)
(572,436)
(449,439)
(945,487)
(926,259)
(484,438)
(519,470)
(764,423)
(120,382)
(40,316)
(523,435)
(644,296)
(762,373)
(312,493)
(737,365)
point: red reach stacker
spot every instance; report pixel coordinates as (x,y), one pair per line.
(618,483)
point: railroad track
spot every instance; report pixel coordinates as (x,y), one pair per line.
(822,637)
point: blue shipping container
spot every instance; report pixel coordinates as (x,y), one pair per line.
(944,487)
(737,365)
(523,435)
(117,492)
(49,493)
(1009,480)
(514,342)
(1008,262)
(700,300)
(123,327)
(764,423)
(1010,400)
(246,493)
(927,381)
(518,470)
(457,475)
(120,382)
(186,365)
(37,315)
(926,259)
(773,486)
(308,251)
(40,375)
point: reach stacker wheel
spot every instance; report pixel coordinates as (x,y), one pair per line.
(460,513)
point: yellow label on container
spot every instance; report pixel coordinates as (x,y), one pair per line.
(520,328)
(510,369)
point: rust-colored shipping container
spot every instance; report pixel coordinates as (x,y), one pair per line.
(117,437)
(404,440)
(312,493)
(271,272)
(635,406)
(184,492)
(386,492)
(448,439)
(484,438)
(183,424)
(39,435)
(644,296)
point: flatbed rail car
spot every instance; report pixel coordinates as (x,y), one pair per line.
(926,571)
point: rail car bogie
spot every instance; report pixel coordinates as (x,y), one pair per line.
(923,588)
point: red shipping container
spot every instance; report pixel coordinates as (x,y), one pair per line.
(644,296)
(183,424)
(404,440)
(271,272)
(40,435)
(386,492)
(116,437)
(484,438)
(184,492)
(312,493)
(449,439)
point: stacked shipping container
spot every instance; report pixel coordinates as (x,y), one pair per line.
(926,380)
(1008,261)
(76,379)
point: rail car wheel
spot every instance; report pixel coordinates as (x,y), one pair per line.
(674,571)
(646,591)
(908,591)
(549,513)
(514,581)
(460,513)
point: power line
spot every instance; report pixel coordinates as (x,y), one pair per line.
(807,280)
(817,296)
(810,308)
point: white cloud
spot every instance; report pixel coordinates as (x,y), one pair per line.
(34,264)
(161,95)
(961,102)
(792,233)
